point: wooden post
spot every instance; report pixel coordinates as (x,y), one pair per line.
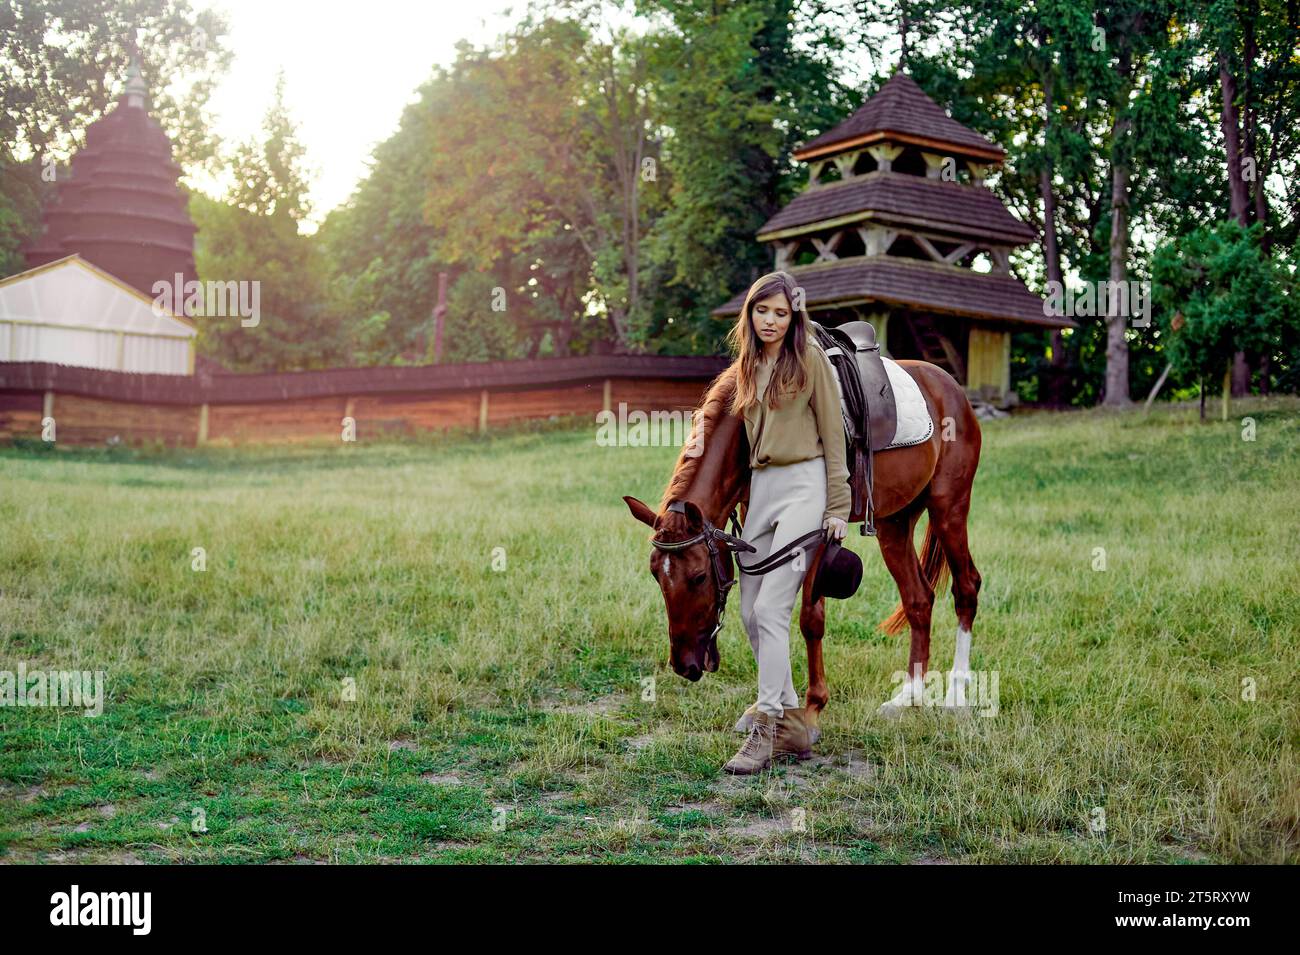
(934,164)
(47,409)
(203,424)
(1155,390)
(1006,364)
(884,154)
(482,411)
(605,398)
(439,315)
(846,162)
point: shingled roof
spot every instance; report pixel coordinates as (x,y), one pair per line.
(908,200)
(913,283)
(902,108)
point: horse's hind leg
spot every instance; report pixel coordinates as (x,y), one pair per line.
(895,535)
(948,519)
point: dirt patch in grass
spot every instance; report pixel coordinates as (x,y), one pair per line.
(606,706)
(637,744)
(710,807)
(762,827)
(442,779)
(298,860)
(853,764)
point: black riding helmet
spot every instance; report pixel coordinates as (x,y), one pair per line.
(839,574)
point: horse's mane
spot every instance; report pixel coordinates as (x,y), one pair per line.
(715,406)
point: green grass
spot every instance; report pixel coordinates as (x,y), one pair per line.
(514,696)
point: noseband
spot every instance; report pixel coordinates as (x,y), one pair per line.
(719,559)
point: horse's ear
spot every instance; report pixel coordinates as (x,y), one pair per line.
(640,511)
(694,516)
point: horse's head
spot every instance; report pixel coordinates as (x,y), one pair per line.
(691,561)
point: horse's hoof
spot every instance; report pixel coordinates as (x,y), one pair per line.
(890,711)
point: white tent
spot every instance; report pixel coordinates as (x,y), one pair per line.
(71,313)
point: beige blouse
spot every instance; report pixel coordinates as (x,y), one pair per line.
(807,425)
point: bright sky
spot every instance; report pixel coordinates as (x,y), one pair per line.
(349,68)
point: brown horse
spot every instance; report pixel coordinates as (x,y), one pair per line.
(691,557)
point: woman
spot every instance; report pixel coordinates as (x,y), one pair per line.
(786,391)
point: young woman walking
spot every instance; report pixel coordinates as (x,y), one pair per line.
(785,389)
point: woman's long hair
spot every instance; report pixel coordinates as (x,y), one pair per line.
(790,375)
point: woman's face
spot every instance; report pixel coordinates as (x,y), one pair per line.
(771,318)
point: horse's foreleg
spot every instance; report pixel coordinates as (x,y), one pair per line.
(895,536)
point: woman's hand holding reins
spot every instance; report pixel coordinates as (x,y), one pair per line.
(835,528)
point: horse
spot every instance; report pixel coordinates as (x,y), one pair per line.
(691,559)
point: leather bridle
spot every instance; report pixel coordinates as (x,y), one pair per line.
(719,558)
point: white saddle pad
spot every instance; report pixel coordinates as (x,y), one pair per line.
(914,422)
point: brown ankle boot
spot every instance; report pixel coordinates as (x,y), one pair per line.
(756,752)
(793,736)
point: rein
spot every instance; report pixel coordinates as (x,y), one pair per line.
(781,557)
(720,559)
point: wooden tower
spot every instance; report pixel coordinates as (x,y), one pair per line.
(897,227)
(121,208)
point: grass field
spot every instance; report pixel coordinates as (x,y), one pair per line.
(498,713)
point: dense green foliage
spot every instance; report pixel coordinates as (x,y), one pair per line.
(1218,293)
(593,187)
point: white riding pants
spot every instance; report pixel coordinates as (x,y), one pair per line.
(786,501)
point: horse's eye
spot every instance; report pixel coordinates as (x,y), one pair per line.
(697,579)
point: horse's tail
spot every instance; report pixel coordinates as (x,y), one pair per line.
(934,568)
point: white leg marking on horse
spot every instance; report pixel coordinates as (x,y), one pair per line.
(959,676)
(912,693)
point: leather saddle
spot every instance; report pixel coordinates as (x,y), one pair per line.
(881,412)
(867,400)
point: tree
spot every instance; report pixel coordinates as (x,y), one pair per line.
(1018,72)
(1218,293)
(254,237)
(739,87)
(534,154)
(382,250)
(1253,57)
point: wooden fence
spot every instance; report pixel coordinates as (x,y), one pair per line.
(90,406)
